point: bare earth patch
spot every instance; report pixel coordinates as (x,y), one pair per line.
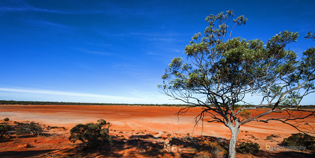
(138,131)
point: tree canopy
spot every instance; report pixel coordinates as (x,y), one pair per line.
(220,71)
(225,69)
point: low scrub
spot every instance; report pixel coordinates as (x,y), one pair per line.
(56,127)
(6,119)
(92,134)
(4,128)
(300,139)
(215,148)
(245,113)
(28,128)
(249,148)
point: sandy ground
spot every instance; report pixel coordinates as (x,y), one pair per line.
(155,120)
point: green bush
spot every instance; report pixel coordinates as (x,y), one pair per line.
(300,139)
(215,148)
(28,128)
(92,135)
(269,138)
(4,128)
(245,113)
(249,148)
(6,119)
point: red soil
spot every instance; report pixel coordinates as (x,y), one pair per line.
(158,121)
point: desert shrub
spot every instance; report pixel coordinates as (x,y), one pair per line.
(92,134)
(6,119)
(4,128)
(300,139)
(29,128)
(56,127)
(215,148)
(249,148)
(245,113)
(269,138)
(21,130)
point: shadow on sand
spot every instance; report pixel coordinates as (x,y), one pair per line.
(18,154)
(288,154)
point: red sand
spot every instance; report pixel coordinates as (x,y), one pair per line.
(147,118)
(137,118)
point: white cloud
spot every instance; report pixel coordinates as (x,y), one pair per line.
(24,7)
(61,93)
(93,52)
(50,95)
(45,24)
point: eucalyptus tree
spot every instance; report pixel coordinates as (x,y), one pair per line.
(220,71)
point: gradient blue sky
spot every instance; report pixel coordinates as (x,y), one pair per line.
(116,51)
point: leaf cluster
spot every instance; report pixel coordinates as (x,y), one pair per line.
(310,35)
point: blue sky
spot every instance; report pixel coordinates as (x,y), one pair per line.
(116,51)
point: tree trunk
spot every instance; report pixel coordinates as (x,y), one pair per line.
(234,135)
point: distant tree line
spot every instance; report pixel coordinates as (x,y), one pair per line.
(12,102)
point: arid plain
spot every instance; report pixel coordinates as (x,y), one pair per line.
(131,121)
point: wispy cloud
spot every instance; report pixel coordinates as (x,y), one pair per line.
(93,52)
(24,7)
(152,53)
(148,36)
(176,50)
(138,96)
(61,93)
(125,65)
(45,24)
(169,50)
(79,8)
(161,39)
(144,34)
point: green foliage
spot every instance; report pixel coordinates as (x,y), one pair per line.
(29,128)
(269,138)
(6,119)
(245,113)
(214,147)
(300,139)
(310,35)
(92,134)
(249,148)
(221,71)
(293,99)
(225,69)
(22,130)
(4,128)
